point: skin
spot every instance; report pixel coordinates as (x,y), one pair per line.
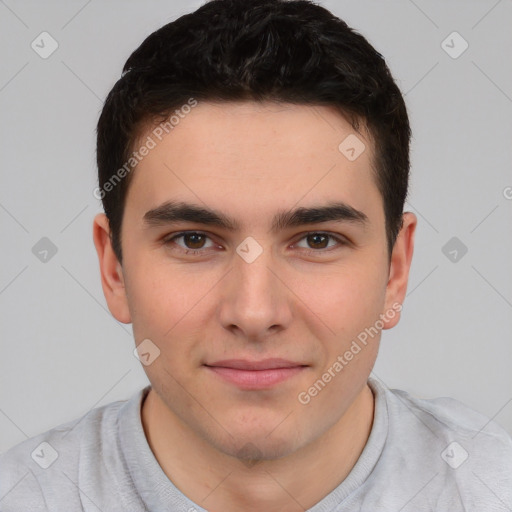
(226,448)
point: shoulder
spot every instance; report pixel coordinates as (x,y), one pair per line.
(42,469)
(464,455)
(445,416)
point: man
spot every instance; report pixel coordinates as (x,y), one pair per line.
(253,166)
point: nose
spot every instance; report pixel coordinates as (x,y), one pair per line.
(255,302)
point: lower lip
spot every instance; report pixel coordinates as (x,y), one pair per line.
(255,379)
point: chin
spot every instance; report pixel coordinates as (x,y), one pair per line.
(253,450)
(256,445)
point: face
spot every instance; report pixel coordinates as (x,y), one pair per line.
(247,315)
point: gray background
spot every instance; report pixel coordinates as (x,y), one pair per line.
(62,353)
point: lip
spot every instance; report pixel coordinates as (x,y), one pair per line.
(255,374)
(264,364)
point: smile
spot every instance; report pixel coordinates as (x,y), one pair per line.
(252,375)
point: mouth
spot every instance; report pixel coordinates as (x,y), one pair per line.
(252,375)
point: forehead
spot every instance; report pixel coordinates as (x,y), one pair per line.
(250,157)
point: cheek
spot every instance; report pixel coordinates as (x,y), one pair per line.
(346,299)
(171,307)
(350,305)
(154,286)
(153,298)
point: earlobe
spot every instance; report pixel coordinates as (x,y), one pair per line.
(112,279)
(400,265)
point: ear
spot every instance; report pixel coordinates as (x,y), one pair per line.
(112,279)
(400,265)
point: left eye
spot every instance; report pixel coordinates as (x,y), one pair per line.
(319,239)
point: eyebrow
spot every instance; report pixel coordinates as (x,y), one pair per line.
(177,211)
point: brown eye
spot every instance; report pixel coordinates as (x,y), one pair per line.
(318,240)
(193,241)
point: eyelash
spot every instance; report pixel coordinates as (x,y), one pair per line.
(309,252)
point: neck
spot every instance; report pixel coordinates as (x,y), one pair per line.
(289,484)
